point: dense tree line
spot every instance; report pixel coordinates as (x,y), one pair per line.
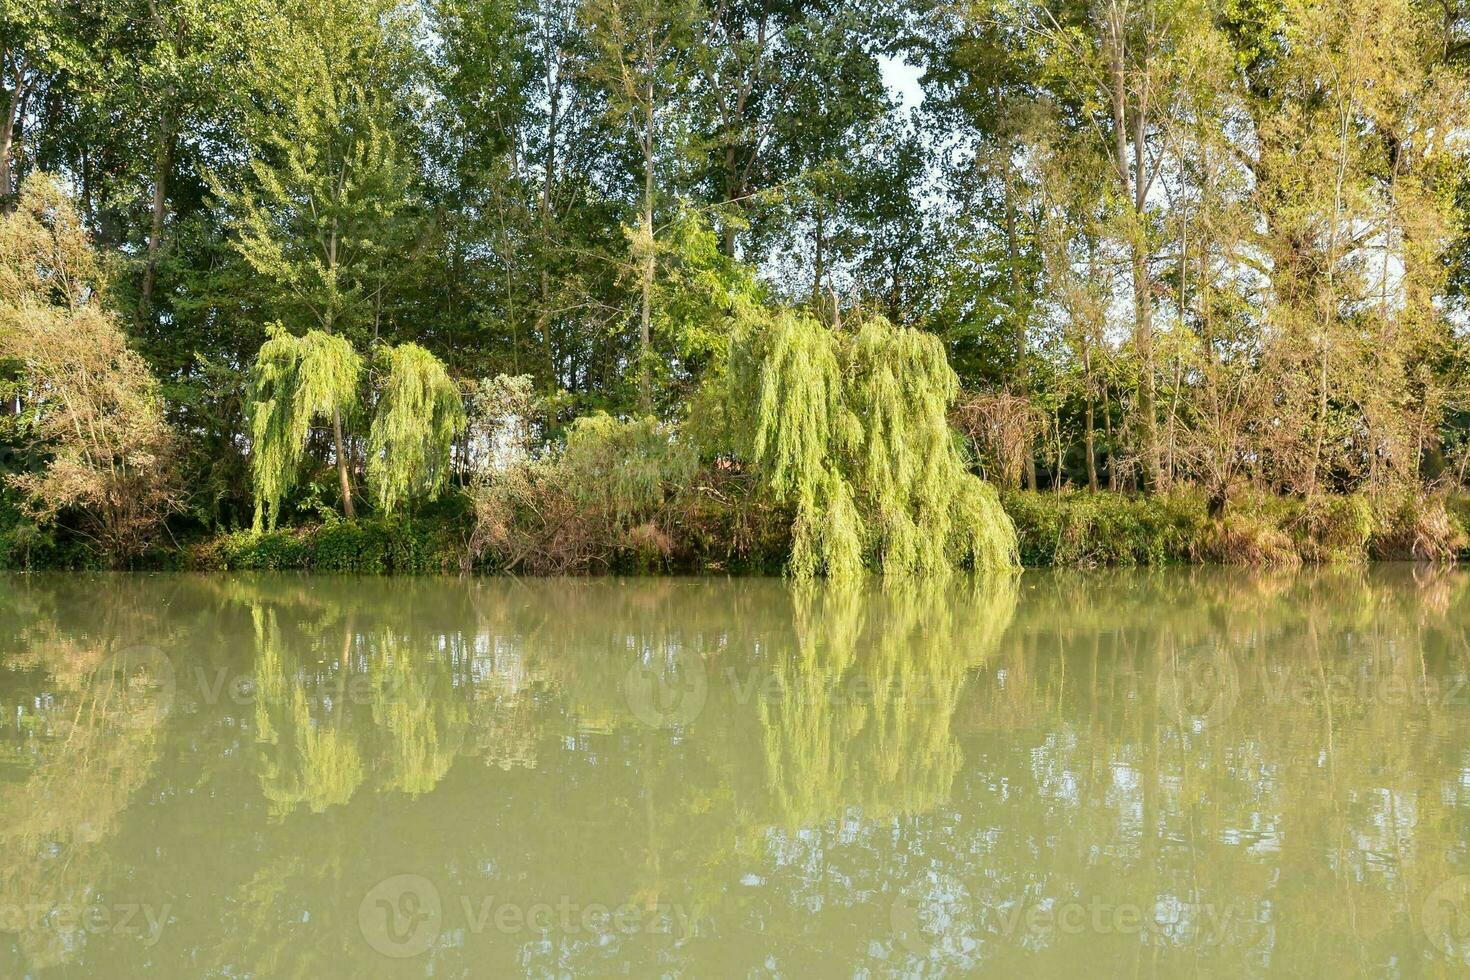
(1161,242)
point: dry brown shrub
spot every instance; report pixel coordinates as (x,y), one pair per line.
(98,412)
(526,520)
(650,543)
(1001,427)
(1248,539)
(1417,528)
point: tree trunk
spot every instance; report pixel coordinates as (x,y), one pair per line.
(733,193)
(548,181)
(14,109)
(1061,450)
(1133,182)
(164,170)
(7,140)
(645,320)
(819,258)
(1321,427)
(1148,436)
(1018,315)
(339,444)
(1089,439)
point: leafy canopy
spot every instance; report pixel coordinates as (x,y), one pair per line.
(94,415)
(298,381)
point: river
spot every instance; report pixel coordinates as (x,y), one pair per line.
(1184,772)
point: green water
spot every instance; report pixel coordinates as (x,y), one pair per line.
(1185,773)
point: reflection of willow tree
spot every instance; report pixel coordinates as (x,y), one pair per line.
(336,706)
(419,714)
(819,699)
(304,761)
(823,772)
(83,745)
(858,709)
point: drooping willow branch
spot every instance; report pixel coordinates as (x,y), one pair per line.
(295,381)
(419,415)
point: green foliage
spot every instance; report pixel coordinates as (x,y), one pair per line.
(1334,528)
(379,545)
(260,551)
(501,414)
(591,200)
(350,546)
(321,214)
(1084,529)
(1080,529)
(624,469)
(419,414)
(1247,537)
(851,429)
(94,431)
(26,545)
(295,381)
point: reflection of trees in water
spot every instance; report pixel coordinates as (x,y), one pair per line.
(386,706)
(1314,825)
(859,706)
(82,738)
(304,760)
(418,713)
(853,743)
(818,701)
(1317,808)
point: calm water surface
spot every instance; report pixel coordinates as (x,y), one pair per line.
(1180,773)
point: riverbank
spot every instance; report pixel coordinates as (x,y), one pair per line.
(724,535)
(1080,529)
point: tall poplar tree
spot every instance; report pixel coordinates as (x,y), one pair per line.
(324,214)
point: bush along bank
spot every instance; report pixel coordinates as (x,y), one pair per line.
(438,545)
(1080,529)
(714,526)
(393,545)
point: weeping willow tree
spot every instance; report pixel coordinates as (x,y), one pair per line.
(419,415)
(295,381)
(851,428)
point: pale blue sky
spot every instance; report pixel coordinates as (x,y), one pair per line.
(902,80)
